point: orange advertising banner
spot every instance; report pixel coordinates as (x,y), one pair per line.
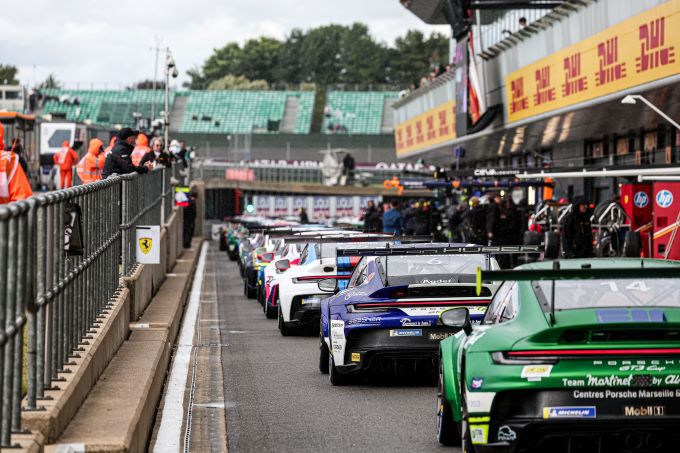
(633,52)
(428,129)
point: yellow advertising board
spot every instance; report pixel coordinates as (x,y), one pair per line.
(633,52)
(428,129)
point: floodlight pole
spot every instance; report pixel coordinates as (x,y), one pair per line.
(631,99)
(166,113)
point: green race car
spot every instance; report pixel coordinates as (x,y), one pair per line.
(577,356)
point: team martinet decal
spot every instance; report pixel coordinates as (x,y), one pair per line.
(631,380)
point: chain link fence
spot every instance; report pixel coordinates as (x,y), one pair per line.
(62,255)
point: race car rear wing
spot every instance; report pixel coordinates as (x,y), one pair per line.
(449,249)
(340,239)
(585,272)
(578,274)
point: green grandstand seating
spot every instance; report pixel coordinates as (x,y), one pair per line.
(243,112)
(360,112)
(106,107)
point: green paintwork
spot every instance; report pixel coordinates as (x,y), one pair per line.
(531,329)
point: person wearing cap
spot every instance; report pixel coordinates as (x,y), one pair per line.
(14,185)
(119,162)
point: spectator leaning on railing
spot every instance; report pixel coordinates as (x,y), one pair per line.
(118,162)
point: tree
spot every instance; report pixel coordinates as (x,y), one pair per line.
(50,82)
(325,55)
(198,80)
(148,85)
(289,68)
(226,60)
(320,55)
(232,82)
(413,56)
(259,59)
(8,75)
(363,60)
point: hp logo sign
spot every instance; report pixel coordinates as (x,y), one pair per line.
(640,200)
(664,198)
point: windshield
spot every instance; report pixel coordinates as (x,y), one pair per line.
(575,294)
(398,266)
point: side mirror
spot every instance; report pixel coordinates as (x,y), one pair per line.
(329,285)
(457,317)
(267,257)
(282,265)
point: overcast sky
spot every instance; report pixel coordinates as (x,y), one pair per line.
(102,42)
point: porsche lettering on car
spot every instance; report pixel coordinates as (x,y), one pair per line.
(585,353)
(390,311)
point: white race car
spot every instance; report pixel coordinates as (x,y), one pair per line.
(298,291)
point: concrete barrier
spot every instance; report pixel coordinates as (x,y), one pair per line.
(63,402)
(119,413)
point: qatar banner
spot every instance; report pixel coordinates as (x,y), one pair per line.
(281,208)
(344,207)
(321,207)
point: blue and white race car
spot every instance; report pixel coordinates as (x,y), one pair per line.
(390,311)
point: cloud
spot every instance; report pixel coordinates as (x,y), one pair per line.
(106,43)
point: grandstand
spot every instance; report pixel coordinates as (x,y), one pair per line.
(104,107)
(359,112)
(244,112)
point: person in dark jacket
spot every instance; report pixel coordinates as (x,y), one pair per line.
(304,218)
(475,223)
(493,220)
(577,231)
(118,161)
(348,168)
(372,221)
(393,222)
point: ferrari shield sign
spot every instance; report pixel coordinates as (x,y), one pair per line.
(148,240)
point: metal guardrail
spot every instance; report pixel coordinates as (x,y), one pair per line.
(208,169)
(54,288)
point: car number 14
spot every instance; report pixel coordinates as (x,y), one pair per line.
(636,285)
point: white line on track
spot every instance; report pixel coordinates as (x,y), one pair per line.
(169,437)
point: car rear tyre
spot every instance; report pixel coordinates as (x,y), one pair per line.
(285,331)
(247,290)
(323,356)
(269,311)
(334,375)
(447,429)
(466,438)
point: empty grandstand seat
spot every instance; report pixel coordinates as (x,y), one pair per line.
(358,112)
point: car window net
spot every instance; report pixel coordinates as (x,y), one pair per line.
(575,294)
(434,264)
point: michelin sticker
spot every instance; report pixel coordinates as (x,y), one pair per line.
(570,412)
(406,333)
(534,373)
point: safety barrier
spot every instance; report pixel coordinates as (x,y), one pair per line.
(244,171)
(62,255)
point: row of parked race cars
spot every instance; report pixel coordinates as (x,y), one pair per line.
(559,356)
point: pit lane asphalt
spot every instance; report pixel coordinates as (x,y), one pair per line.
(277,400)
